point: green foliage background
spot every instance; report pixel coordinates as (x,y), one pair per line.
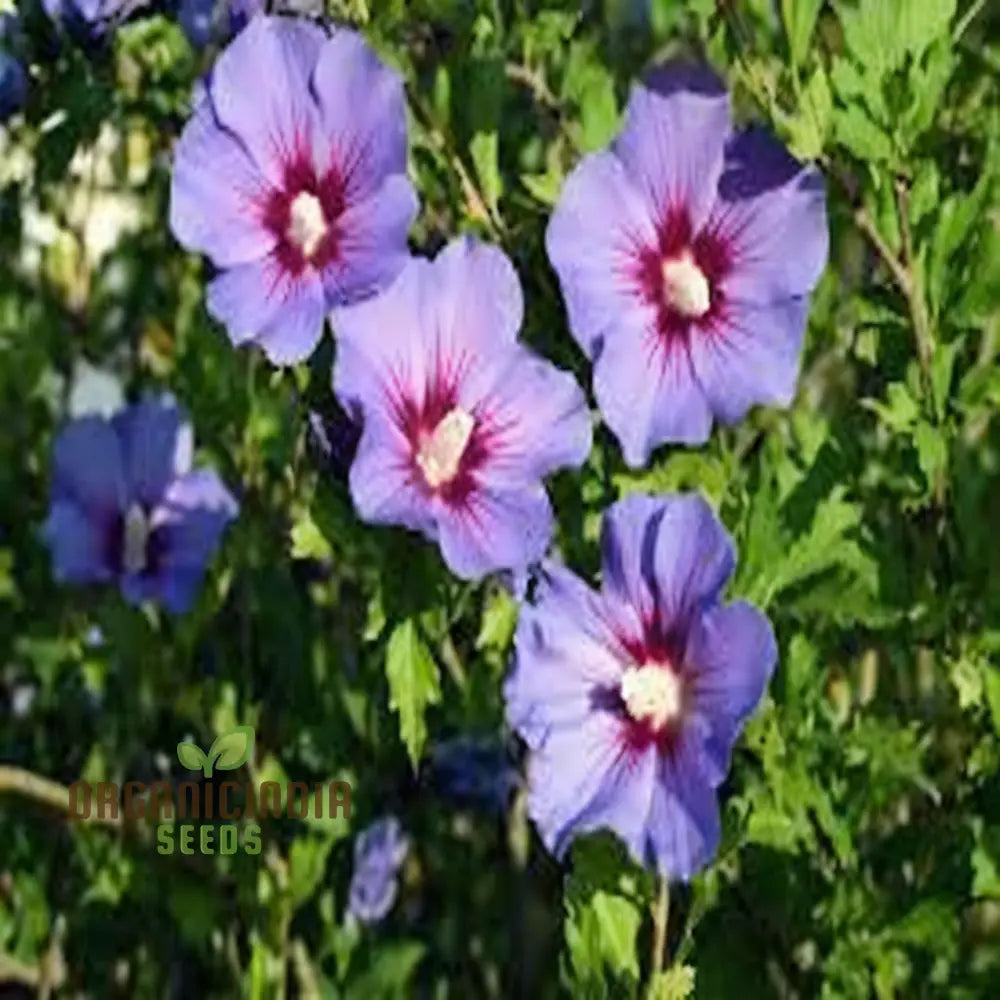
(861,845)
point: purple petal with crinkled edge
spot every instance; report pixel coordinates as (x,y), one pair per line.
(567,647)
(257,302)
(382,481)
(683,821)
(586,778)
(372,241)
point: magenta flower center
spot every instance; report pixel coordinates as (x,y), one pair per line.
(304,214)
(682,276)
(439,454)
(653,694)
(306,223)
(685,288)
(136,530)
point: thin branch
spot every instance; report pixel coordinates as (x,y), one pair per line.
(517,73)
(52,794)
(475,200)
(661,917)
(915,292)
(866,224)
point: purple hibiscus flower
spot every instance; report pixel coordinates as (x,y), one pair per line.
(630,699)
(461,423)
(379,852)
(297,191)
(686,254)
(127,506)
(204,21)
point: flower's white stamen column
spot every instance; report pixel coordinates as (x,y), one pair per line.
(307,223)
(685,287)
(441,451)
(652,693)
(135,541)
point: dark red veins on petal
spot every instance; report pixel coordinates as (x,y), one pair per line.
(709,252)
(654,646)
(418,418)
(330,189)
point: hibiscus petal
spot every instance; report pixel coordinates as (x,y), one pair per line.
(196,509)
(294,330)
(77,543)
(628,546)
(648,394)
(751,356)
(87,466)
(371,244)
(497,526)
(363,111)
(731,655)
(259,302)
(382,482)
(673,140)
(215,194)
(261,93)
(586,778)
(567,652)
(683,819)
(534,415)
(380,346)
(694,557)
(157,445)
(772,215)
(598,227)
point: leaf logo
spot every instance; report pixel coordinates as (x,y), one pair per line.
(229,751)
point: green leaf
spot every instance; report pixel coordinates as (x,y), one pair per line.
(308,541)
(486,88)
(499,621)
(854,128)
(603,932)
(900,411)
(799,18)
(676,983)
(388,977)
(826,545)
(413,684)
(592,88)
(307,863)
(230,750)
(882,34)
(932,451)
(603,913)
(810,128)
(992,681)
(191,756)
(924,193)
